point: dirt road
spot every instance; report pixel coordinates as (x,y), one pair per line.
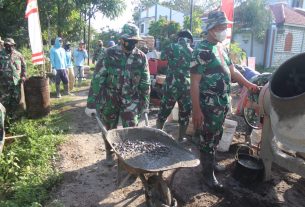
(88,183)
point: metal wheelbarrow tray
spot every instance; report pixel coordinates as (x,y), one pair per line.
(148,150)
(147,153)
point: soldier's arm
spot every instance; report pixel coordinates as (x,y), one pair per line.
(144,86)
(197,68)
(237,76)
(23,68)
(97,82)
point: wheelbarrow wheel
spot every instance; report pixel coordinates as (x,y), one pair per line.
(158,192)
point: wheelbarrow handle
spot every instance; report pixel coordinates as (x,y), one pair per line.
(101,125)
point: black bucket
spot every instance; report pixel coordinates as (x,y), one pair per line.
(248,168)
(37,97)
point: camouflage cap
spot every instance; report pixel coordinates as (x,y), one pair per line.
(216,18)
(9,41)
(130,31)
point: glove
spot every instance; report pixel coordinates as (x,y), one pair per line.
(90,112)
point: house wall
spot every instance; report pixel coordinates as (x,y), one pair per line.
(148,15)
(244,41)
(298,44)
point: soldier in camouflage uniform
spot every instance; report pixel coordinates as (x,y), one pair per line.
(177,83)
(211,73)
(12,73)
(121,85)
(99,51)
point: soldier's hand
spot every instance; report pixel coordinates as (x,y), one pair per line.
(90,112)
(253,88)
(197,118)
(23,79)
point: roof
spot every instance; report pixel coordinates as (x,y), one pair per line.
(283,14)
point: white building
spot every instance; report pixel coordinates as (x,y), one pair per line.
(156,12)
(291,3)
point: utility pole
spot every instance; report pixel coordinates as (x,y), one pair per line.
(191,16)
(89,36)
(156,11)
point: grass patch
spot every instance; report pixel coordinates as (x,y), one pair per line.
(27,171)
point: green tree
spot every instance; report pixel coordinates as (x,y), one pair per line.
(57,17)
(197,23)
(164,30)
(253,15)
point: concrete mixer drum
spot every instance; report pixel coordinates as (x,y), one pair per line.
(287,97)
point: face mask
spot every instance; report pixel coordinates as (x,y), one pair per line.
(221,36)
(129,45)
(8,49)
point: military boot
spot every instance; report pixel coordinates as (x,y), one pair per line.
(207,162)
(66,90)
(58,91)
(160,124)
(109,154)
(182,133)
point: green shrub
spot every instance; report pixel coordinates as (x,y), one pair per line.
(26,166)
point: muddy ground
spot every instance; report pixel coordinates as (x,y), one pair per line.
(88,183)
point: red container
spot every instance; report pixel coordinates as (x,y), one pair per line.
(153,66)
(162,64)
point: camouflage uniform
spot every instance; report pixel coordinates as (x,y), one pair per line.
(177,83)
(120,86)
(98,54)
(12,70)
(214,90)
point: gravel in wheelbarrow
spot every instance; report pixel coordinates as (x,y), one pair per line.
(149,150)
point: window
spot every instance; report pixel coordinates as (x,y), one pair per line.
(288,42)
(142,28)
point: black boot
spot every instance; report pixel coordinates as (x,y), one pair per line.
(182,133)
(160,124)
(207,162)
(58,95)
(109,154)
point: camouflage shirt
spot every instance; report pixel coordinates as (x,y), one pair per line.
(12,67)
(216,77)
(119,75)
(179,56)
(98,53)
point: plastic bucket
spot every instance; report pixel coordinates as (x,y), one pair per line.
(256,137)
(229,129)
(153,64)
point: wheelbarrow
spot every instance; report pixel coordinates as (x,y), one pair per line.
(146,153)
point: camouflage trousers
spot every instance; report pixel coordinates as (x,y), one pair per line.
(168,102)
(10,97)
(111,112)
(212,128)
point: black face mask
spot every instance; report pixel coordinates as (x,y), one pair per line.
(129,45)
(8,49)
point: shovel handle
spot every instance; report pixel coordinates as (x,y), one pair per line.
(101,125)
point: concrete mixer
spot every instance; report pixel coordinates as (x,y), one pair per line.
(282,109)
